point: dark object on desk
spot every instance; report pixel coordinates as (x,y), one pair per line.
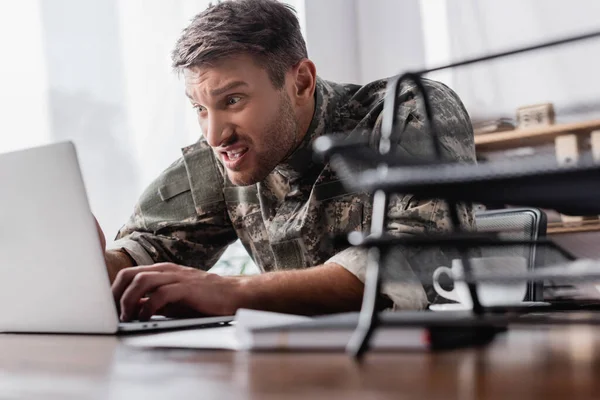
(405,330)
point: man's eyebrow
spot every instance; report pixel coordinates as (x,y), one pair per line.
(221,90)
(229,86)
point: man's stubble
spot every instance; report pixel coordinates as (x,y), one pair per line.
(281,137)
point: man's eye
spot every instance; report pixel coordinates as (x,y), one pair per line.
(233,100)
(199,109)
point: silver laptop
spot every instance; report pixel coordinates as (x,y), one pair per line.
(53,277)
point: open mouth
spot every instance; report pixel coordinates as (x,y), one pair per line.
(233,158)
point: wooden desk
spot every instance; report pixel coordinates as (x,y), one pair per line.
(548,363)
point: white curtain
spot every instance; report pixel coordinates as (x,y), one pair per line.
(24,113)
(566,75)
(362,40)
(98,72)
(359,41)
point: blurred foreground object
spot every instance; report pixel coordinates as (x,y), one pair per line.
(566,187)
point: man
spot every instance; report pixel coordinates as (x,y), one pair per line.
(251,176)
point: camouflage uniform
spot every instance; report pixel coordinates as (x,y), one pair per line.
(191,212)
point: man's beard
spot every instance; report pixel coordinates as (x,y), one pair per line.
(280,138)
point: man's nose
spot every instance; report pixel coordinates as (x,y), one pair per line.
(217,131)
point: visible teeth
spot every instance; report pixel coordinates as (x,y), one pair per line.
(233,155)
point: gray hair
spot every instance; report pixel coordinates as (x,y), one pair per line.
(267,30)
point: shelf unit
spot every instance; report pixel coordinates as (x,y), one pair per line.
(556,228)
(532,136)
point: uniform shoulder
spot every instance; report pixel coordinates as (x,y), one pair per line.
(350,105)
(441,97)
(373,93)
(358,96)
(174,179)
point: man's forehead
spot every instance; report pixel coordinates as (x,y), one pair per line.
(205,79)
(202,81)
(194,74)
(211,77)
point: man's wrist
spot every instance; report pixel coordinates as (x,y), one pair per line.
(116,260)
(130,259)
(235,294)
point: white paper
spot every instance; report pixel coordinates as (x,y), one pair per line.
(233,337)
(251,319)
(220,338)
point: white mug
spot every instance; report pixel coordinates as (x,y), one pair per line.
(500,293)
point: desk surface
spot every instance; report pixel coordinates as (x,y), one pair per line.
(548,363)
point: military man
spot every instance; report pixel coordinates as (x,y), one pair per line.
(251,176)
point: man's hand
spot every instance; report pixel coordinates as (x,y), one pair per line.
(172,290)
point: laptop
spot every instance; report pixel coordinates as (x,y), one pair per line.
(53,277)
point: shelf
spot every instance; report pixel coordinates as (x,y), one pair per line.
(555,228)
(531,136)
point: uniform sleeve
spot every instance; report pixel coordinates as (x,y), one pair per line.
(408,214)
(181,217)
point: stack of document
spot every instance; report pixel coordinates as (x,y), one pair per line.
(259,330)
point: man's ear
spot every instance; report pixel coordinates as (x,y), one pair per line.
(305,81)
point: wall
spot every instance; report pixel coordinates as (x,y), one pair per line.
(331,38)
(363,40)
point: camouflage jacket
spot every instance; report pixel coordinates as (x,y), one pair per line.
(191,212)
